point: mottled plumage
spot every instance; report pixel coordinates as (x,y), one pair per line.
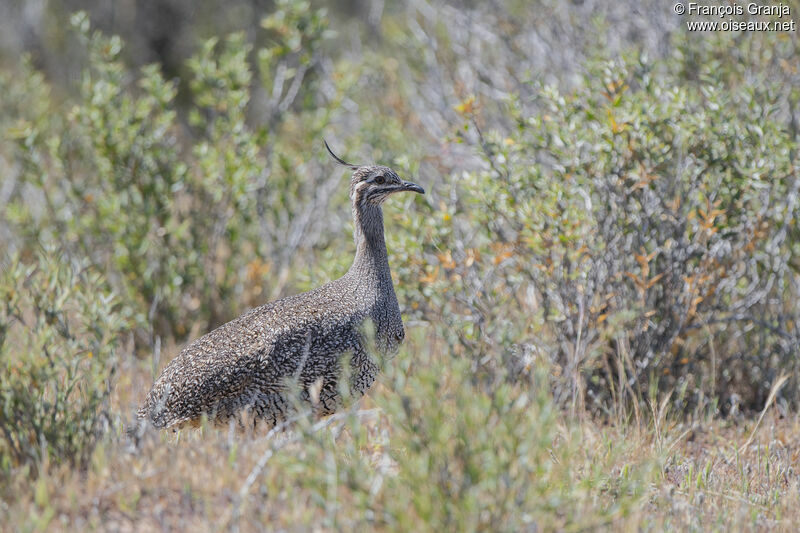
(242,370)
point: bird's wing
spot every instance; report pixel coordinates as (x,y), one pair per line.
(209,370)
(218,368)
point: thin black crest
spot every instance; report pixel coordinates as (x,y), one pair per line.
(339,159)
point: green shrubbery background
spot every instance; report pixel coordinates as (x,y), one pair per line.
(602,228)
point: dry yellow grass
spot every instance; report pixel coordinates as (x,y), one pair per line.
(692,476)
(438,444)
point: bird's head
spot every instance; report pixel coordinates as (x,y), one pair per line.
(372,184)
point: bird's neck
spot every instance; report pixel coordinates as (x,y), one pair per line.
(371,258)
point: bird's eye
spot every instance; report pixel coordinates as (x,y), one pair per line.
(380,180)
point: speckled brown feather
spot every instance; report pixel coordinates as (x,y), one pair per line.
(243,369)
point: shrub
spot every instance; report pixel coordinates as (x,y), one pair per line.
(179,218)
(60,332)
(637,231)
(478,457)
(448,453)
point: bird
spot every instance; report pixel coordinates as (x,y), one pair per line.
(246,370)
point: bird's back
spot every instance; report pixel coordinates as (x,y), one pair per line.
(245,363)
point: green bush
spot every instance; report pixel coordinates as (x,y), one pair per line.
(60,331)
(633,224)
(473,456)
(449,454)
(180,223)
(636,232)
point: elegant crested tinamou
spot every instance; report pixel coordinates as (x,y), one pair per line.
(240,371)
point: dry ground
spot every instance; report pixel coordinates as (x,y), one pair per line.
(699,475)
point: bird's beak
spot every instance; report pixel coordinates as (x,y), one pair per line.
(409,186)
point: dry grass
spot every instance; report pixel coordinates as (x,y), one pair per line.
(708,484)
(692,475)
